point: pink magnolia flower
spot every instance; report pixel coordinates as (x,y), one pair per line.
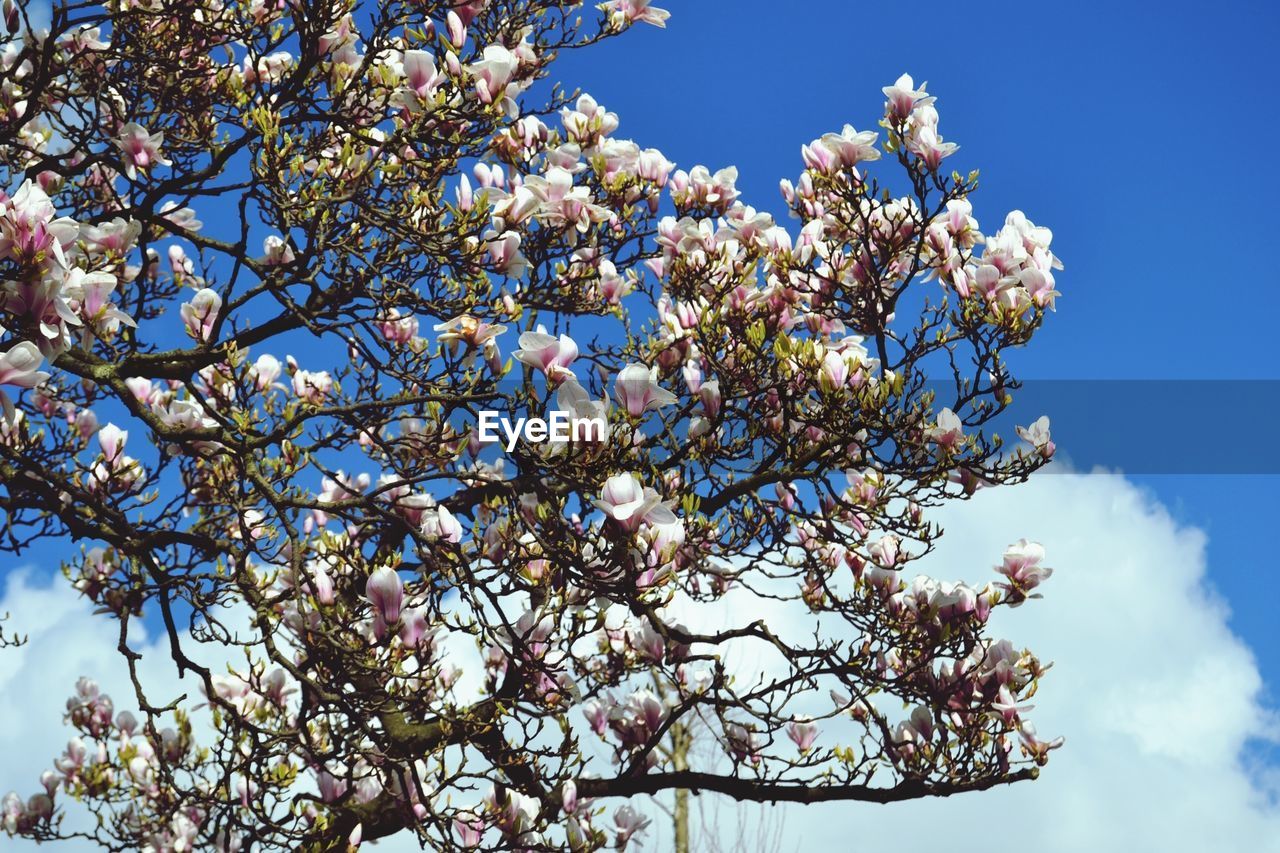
(421,82)
(331,787)
(638,391)
(112,440)
(440,524)
(413,627)
(587,121)
(469,829)
(652,166)
(631,11)
(1037,749)
(398,328)
(629,822)
(201,313)
(803,733)
(514,812)
(1038,284)
(493,73)
(948,431)
(311,386)
(20,366)
(456,28)
(886,551)
(709,393)
(141,149)
(266,370)
(903,97)
(321,584)
(597,714)
(926,143)
(31,231)
(475,334)
(548,354)
(569,796)
(1037,435)
(647,642)
(504,253)
(180,217)
(276,251)
(117,236)
(562,205)
(834,372)
(467,11)
(698,187)
(612,286)
(742,743)
(630,503)
(93,291)
(836,151)
(517,207)
(385,591)
(1022,567)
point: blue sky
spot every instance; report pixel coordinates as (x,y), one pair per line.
(1139,132)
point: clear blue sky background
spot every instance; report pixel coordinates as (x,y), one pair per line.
(1143,134)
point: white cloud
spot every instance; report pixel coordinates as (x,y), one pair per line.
(1157,698)
(65,641)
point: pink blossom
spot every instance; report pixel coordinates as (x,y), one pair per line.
(638,391)
(1037,435)
(569,796)
(141,149)
(277,252)
(547,353)
(439,524)
(1037,749)
(597,714)
(926,143)
(948,431)
(421,81)
(493,72)
(629,822)
(504,253)
(20,366)
(201,313)
(112,440)
(709,394)
(385,591)
(652,166)
(844,150)
(398,328)
(903,97)
(742,743)
(1022,567)
(803,733)
(469,829)
(312,387)
(413,627)
(631,11)
(629,503)
(265,371)
(321,584)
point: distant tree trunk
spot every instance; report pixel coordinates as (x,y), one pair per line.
(681,738)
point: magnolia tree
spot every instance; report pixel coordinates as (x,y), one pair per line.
(259,435)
